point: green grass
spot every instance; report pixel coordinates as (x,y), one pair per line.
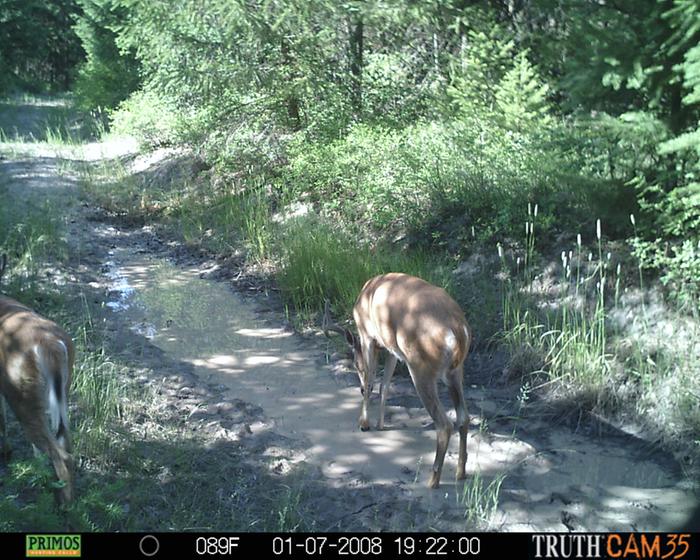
(592,346)
(554,319)
(480,499)
(223,221)
(139,467)
(318,261)
(311,259)
(30,240)
(48,120)
(109,184)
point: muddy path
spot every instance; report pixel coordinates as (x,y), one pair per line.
(173,313)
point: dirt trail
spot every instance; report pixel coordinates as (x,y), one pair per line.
(554,478)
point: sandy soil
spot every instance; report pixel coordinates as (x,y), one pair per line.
(238,371)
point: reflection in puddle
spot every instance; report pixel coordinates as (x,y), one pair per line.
(189,318)
(119,286)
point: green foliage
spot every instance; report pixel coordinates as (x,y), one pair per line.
(521,98)
(590,346)
(319,262)
(31,238)
(38,46)
(109,74)
(226,219)
(480,499)
(149,117)
(485,55)
(678,265)
(390,95)
(680,210)
(471,172)
(429,125)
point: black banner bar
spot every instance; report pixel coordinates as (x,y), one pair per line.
(467,546)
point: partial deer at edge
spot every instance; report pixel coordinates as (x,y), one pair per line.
(36,360)
(421,325)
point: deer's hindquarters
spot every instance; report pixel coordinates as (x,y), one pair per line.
(35,374)
(421,325)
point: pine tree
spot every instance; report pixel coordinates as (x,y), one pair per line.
(109,74)
(682,208)
(521,97)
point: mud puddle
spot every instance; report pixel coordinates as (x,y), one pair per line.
(552,478)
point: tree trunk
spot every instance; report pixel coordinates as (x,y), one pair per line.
(356,48)
(293,105)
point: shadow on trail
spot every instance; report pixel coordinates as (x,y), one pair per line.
(42,119)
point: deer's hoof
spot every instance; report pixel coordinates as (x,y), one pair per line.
(434,481)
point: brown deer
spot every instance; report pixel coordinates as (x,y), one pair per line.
(36,360)
(421,325)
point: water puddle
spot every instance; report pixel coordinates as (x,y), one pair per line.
(119,288)
(555,479)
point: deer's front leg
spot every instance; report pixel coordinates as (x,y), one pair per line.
(5,448)
(369,354)
(389,368)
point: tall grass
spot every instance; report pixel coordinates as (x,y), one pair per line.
(29,237)
(591,345)
(480,499)
(312,260)
(221,222)
(318,261)
(98,385)
(49,121)
(565,338)
(111,185)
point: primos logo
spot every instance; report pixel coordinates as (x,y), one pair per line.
(39,546)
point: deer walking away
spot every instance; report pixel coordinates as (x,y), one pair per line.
(36,361)
(421,325)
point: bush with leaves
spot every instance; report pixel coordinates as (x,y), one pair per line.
(151,118)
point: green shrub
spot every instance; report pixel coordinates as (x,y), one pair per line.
(678,265)
(109,73)
(151,118)
(406,181)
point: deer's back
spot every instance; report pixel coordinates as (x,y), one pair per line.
(415,320)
